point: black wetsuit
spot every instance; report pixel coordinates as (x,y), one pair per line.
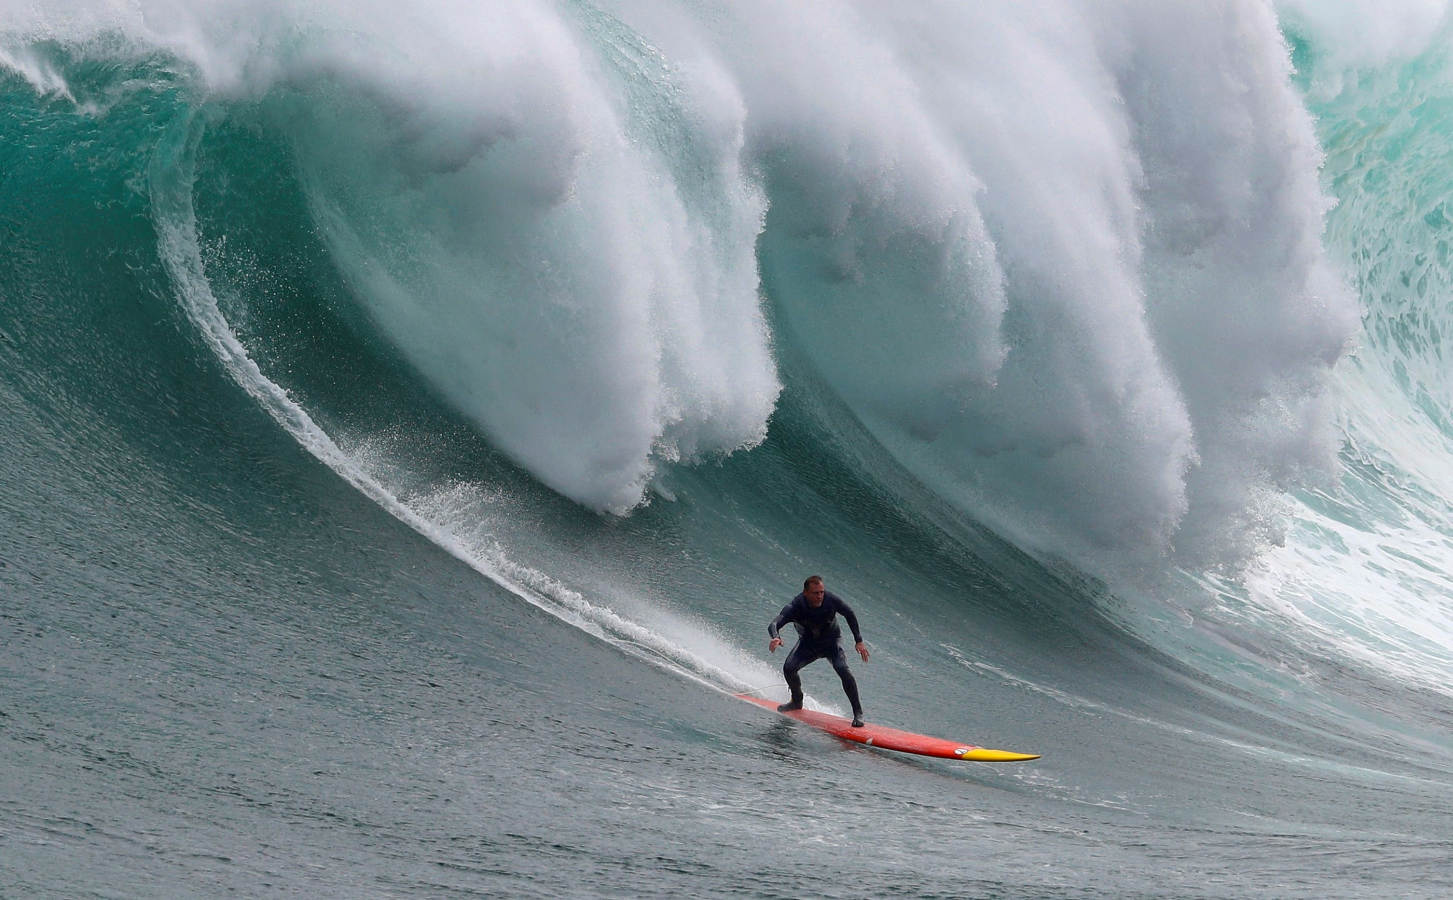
(818,638)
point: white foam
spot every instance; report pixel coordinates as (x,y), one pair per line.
(1352,35)
(1063,258)
(41,75)
(1372,578)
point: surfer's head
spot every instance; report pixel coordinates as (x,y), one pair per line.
(813,590)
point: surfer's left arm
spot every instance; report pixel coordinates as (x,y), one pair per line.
(852,617)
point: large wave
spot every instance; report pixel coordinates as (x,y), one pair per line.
(1064,262)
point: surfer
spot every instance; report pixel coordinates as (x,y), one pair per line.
(814,612)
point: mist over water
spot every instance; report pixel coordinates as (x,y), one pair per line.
(1096,350)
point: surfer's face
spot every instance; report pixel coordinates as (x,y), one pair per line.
(815,593)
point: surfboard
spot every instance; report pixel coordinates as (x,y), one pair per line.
(891,738)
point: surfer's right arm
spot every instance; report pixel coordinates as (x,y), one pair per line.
(783,617)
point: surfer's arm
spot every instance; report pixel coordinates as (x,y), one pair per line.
(847,613)
(786,615)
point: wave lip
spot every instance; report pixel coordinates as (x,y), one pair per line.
(1122,348)
(523,229)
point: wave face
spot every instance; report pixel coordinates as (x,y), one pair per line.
(1098,349)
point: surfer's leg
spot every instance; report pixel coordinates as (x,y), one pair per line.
(850,684)
(800,656)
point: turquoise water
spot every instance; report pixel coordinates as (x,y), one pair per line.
(412,422)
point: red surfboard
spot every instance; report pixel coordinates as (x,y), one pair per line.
(891,738)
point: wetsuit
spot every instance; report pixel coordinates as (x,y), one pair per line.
(818,638)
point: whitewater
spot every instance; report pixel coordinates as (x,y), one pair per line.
(412,418)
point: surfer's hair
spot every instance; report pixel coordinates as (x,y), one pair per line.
(811,580)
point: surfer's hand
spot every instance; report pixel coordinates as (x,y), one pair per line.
(862,649)
(773,644)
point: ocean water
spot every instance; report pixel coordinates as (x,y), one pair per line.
(410,419)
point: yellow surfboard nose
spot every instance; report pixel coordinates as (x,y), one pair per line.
(984,754)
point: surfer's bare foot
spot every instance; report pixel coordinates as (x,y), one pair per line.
(788,707)
(857,721)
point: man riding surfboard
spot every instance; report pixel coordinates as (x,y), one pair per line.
(814,612)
